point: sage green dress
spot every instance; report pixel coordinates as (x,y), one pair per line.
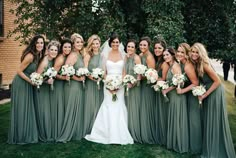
(93,96)
(72,128)
(57,106)
(132,101)
(23,127)
(147,107)
(43,110)
(217,140)
(161,115)
(194,119)
(177,129)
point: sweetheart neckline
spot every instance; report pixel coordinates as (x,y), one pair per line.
(115,61)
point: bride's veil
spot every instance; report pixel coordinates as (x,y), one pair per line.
(106,49)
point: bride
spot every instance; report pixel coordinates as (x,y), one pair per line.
(110,126)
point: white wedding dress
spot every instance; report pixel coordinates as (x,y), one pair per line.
(110,126)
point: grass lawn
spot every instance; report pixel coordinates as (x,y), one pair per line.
(85,149)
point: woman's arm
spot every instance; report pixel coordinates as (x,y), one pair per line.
(216,80)
(165,67)
(190,72)
(24,64)
(150,61)
(42,65)
(57,66)
(175,69)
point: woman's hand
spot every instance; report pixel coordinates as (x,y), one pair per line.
(67,78)
(179,91)
(50,81)
(130,85)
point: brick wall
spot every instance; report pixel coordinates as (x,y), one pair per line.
(10,51)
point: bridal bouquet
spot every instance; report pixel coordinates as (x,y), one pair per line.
(36,79)
(151,75)
(82,72)
(126,80)
(198,91)
(98,74)
(113,83)
(49,74)
(139,69)
(67,70)
(161,85)
(178,79)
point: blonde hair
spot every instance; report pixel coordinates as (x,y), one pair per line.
(54,43)
(89,48)
(73,37)
(186,48)
(203,58)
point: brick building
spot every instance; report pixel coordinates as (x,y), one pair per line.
(10,50)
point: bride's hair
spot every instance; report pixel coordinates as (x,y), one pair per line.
(112,37)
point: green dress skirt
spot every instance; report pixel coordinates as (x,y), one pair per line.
(177,129)
(194,119)
(161,116)
(217,140)
(23,127)
(147,118)
(57,106)
(43,110)
(72,128)
(132,101)
(93,96)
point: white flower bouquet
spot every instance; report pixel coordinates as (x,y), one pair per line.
(98,74)
(49,74)
(36,79)
(151,75)
(139,69)
(161,85)
(67,70)
(126,80)
(198,91)
(178,79)
(82,72)
(113,83)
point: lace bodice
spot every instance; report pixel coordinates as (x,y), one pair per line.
(114,68)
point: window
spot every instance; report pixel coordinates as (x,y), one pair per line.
(1,18)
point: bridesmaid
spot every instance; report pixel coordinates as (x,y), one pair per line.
(132,101)
(147,124)
(43,99)
(160,103)
(217,140)
(57,95)
(177,129)
(23,127)
(194,112)
(93,95)
(72,128)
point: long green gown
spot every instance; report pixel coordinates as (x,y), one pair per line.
(177,129)
(147,118)
(43,110)
(132,102)
(93,96)
(57,106)
(23,127)
(194,119)
(217,140)
(161,115)
(72,128)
